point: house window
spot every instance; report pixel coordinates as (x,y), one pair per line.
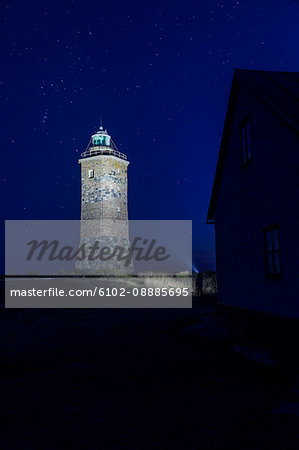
(246,141)
(272,251)
(90,173)
(118,209)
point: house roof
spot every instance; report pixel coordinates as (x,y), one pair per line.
(278,90)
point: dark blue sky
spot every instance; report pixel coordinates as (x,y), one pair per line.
(158,72)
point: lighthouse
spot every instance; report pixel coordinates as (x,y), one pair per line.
(104,198)
(104,182)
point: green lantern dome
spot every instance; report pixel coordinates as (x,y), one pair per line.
(101,138)
(101,143)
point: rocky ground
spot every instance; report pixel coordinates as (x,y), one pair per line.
(139,379)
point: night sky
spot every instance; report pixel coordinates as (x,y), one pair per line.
(159,73)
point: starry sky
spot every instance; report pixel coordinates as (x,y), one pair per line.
(159,73)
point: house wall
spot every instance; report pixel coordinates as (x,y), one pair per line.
(261,194)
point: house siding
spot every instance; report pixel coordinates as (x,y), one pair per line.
(263,193)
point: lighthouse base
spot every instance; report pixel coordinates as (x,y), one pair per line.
(105,248)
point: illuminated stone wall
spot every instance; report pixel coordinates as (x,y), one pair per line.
(104,209)
(104,195)
(109,234)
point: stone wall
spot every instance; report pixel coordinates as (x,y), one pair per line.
(104,210)
(111,234)
(105,194)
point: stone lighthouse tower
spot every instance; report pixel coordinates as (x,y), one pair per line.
(104,200)
(103,179)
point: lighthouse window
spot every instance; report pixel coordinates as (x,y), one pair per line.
(100,140)
(90,173)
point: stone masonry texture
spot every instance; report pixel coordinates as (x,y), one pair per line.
(104,208)
(104,195)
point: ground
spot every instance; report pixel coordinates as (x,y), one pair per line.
(137,379)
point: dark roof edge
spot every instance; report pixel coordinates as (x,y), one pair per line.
(228,117)
(237,76)
(266,100)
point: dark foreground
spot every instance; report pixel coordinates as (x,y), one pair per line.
(135,379)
